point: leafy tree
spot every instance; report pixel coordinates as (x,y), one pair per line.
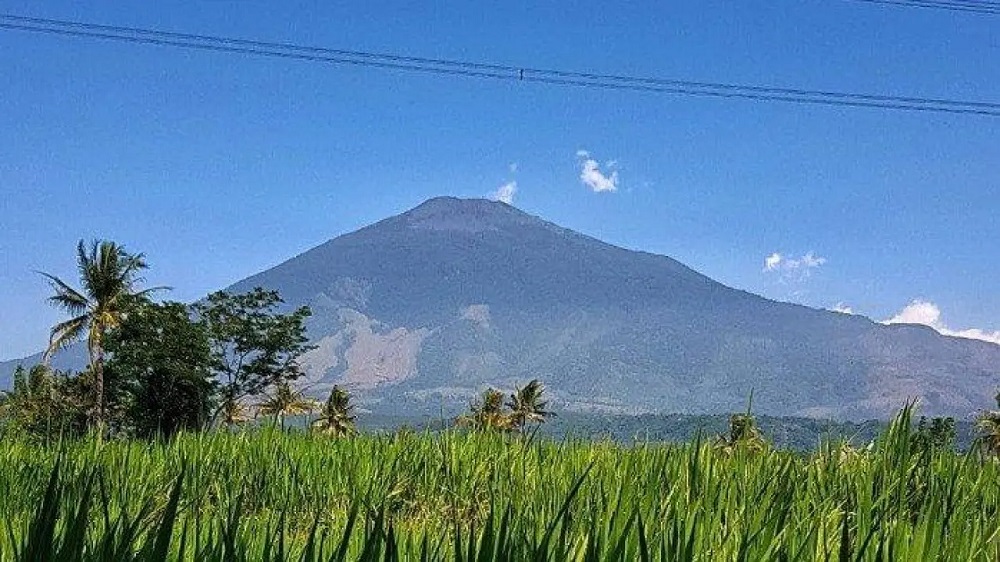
(337,416)
(108,276)
(254,346)
(937,434)
(526,405)
(285,402)
(44,404)
(487,413)
(161,370)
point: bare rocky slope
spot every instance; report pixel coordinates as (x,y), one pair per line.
(420,311)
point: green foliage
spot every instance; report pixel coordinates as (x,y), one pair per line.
(254,346)
(487,413)
(284,401)
(109,276)
(526,405)
(491,413)
(271,495)
(938,433)
(988,424)
(743,433)
(337,416)
(160,371)
(45,405)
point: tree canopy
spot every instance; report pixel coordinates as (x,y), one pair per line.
(254,346)
(109,276)
(161,370)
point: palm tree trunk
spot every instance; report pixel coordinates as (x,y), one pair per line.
(97,369)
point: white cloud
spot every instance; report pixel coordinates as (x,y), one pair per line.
(772,262)
(842,308)
(505,193)
(592,176)
(928,314)
(512,167)
(792,269)
(918,312)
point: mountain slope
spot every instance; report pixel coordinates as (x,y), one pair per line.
(419,311)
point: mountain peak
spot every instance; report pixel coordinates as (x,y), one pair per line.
(423,309)
(467,215)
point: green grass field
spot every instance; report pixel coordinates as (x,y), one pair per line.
(268,495)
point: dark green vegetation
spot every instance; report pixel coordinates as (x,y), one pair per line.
(157,368)
(108,277)
(524,408)
(798,434)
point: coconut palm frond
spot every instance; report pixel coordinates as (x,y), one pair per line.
(66,297)
(147,292)
(65,333)
(286,402)
(234,412)
(336,416)
(527,406)
(488,414)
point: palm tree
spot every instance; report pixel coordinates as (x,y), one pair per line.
(988,424)
(526,405)
(233,412)
(336,417)
(108,277)
(487,413)
(286,402)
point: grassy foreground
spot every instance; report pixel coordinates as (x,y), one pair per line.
(267,495)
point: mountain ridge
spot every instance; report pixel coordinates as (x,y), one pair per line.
(421,310)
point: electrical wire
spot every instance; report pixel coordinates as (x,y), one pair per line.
(472,69)
(990,8)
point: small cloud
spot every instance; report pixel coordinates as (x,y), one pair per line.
(792,269)
(842,308)
(927,313)
(592,176)
(512,167)
(918,312)
(772,262)
(505,193)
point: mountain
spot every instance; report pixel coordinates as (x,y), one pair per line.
(420,311)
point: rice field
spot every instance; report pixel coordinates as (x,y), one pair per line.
(267,495)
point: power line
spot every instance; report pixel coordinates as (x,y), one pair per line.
(991,8)
(493,71)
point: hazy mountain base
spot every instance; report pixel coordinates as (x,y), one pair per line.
(792,433)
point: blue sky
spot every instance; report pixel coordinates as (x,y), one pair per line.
(218,166)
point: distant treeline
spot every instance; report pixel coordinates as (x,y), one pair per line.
(785,432)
